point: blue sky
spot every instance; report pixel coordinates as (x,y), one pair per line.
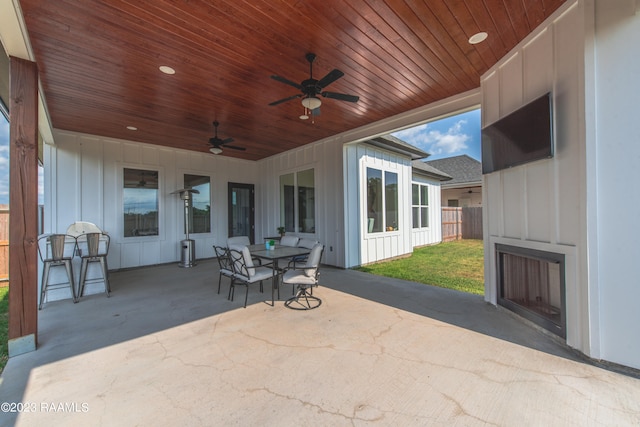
(4,160)
(449,137)
(4,165)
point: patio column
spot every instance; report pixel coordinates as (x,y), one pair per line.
(23,202)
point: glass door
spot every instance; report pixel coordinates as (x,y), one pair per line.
(241,210)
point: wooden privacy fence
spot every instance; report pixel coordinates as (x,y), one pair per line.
(461,223)
(4,239)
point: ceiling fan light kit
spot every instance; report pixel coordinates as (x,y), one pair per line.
(311,89)
(217,143)
(311,102)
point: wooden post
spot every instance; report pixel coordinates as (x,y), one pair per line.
(4,245)
(23,202)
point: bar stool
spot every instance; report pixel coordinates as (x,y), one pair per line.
(93,247)
(56,250)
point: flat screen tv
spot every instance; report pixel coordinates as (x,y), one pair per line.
(523,136)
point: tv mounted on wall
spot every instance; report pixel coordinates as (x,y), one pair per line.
(520,137)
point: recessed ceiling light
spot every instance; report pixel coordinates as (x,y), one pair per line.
(132,128)
(477,38)
(167,70)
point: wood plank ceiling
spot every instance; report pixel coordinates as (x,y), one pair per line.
(99,63)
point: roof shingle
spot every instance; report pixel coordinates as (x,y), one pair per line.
(463,169)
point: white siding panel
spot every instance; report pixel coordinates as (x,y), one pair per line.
(112,156)
(490,98)
(511,85)
(131,153)
(513,196)
(352,207)
(569,136)
(68,185)
(154,252)
(493,207)
(617,155)
(537,55)
(563,201)
(149,154)
(538,192)
(87,173)
(129,255)
(91,183)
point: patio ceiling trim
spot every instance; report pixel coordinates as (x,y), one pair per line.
(15,41)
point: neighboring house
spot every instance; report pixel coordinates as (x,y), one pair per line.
(465,187)
(381,183)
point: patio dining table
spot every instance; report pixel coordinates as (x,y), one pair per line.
(275,254)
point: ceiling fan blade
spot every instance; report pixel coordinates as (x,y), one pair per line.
(285,99)
(286,81)
(226,141)
(330,78)
(341,96)
(315,111)
(235,148)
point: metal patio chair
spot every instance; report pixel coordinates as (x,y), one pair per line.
(56,250)
(304,279)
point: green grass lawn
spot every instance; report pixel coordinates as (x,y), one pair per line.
(4,326)
(455,265)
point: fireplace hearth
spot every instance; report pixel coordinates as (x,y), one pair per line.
(531,283)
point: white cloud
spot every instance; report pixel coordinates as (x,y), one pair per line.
(4,160)
(40,185)
(435,141)
(4,166)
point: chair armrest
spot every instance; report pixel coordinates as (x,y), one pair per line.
(259,262)
(297,262)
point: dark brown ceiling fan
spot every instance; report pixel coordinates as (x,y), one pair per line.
(311,89)
(217,144)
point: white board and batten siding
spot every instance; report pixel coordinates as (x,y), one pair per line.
(536,205)
(325,158)
(569,204)
(86,175)
(365,247)
(433,232)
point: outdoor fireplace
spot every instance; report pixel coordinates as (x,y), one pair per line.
(531,283)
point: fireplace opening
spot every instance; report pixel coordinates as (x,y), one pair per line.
(531,283)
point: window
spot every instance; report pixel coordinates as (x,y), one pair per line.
(379,220)
(140,202)
(297,201)
(391,200)
(200,221)
(420,205)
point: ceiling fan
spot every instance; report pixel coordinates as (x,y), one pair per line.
(312,89)
(142,183)
(217,143)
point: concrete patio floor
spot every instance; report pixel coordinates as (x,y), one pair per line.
(166,350)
